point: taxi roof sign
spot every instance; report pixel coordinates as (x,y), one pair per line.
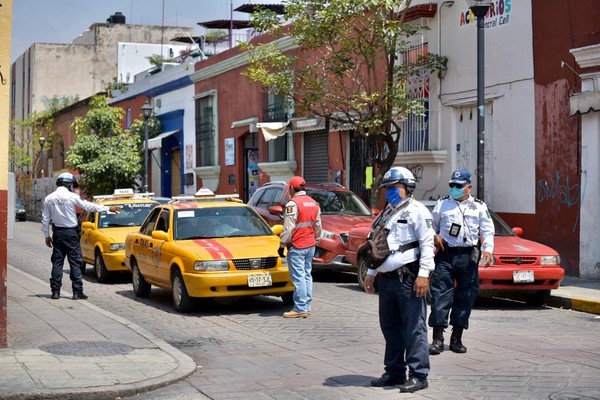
(207,194)
(123,193)
(204,192)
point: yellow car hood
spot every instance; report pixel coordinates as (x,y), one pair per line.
(231,248)
(118,235)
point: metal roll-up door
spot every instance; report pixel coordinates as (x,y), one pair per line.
(316,157)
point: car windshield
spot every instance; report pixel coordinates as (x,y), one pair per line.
(219,222)
(338,202)
(130,215)
(18,203)
(502,228)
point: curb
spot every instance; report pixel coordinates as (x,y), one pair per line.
(576,304)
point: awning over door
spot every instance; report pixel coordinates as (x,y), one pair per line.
(156,142)
(273,130)
(307,124)
(585,102)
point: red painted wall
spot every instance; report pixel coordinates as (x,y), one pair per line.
(558,26)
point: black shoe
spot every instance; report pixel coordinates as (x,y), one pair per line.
(79,296)
(388,379)
(55,295)
(457,346)
(436,347)
(414,384)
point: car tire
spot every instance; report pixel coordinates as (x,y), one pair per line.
(182,302)
(100,270)
(538,299)
(141,288)
(361,273)
(288,299)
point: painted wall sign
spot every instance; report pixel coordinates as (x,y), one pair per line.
(498,14)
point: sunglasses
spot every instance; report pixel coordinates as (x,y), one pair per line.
(456,185)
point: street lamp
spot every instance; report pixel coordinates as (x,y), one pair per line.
(42,141)
(146,113)
(479,8)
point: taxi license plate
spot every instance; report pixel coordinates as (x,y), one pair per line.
(523,276)
(258,280)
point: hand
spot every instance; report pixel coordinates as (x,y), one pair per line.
(369,279)
(280,251)
(486,259)
(49,241)
(115,209)
(421,286)
(438,243)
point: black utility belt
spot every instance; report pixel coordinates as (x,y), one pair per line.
(62,228)
(412,267)
(408,246)
(460,248)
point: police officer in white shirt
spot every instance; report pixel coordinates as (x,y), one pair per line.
(60,210)
(459,220)
(403,281)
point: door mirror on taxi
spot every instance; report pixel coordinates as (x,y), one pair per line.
(277,209)
(87,225)
(160,235)
(277,229)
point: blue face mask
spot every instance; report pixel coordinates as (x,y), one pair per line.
(456,193)
(392,195)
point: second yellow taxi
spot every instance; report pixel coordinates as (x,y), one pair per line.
(207,246)
(103,233)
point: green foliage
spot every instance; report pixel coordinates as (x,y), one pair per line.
(346,66)
(157,59)
(215,35)
(115,85)
(106,155)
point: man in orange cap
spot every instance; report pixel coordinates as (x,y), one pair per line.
(301,233)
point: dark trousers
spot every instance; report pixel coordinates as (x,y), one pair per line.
(453,265)
(65,244)
(402,317)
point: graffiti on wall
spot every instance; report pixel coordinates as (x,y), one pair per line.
(417,171)
(559,189)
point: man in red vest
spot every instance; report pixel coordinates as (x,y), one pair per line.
(301,233)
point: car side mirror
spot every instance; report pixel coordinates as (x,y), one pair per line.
(87,225)
(518,231)
(277,209)
(160,235)
(277,229)
(375,211)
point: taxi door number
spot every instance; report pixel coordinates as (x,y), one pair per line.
(258,280)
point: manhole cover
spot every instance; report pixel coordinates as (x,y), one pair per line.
(87,349)
(576,394)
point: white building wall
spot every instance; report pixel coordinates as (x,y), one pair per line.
(510,117)
(133,57)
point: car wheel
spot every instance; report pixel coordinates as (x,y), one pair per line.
(288,299)
(100,269)
(361,273)
(181,300)
(538,299)
(141,288)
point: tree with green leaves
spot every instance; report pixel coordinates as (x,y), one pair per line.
(345,67)
(106,155)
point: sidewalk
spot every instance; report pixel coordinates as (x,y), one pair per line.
(68,349)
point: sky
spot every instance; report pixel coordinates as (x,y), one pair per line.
(61,21)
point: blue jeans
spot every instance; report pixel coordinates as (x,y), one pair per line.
(300,267)
(65,244)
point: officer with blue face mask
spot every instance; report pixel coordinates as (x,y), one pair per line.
(459,220)
(403,282)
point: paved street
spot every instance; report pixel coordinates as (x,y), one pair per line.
(245,350)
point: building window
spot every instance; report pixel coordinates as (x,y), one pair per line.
(415,129)
(205,131)
(279,149)
(128,118)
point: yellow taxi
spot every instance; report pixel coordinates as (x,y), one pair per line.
(207,246)
(103,233)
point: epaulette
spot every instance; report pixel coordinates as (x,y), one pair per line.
(477,200)
(445,198)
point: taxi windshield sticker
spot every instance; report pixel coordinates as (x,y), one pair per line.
(186,214)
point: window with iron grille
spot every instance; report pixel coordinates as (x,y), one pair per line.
(205,132)
(415,129)
(279,109)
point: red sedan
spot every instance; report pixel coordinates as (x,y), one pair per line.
(517,265)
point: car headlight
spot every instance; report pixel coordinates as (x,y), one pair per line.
(117,246)
(327,234)
(222,265)
(550,260)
